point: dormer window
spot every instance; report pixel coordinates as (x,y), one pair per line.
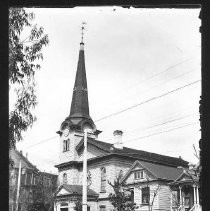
(139,175)
(65,145)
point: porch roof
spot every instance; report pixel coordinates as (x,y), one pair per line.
(76,189)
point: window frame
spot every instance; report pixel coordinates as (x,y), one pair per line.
(103,180)
(64,178)
(102,207)
(145,191)
(66,143)
(139,174)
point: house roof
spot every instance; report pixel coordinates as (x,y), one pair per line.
(162,171)
(137,154)
(157,170)
(77,189)
(186,177)
(16,156)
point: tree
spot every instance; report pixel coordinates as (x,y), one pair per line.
(120,199)
(24,56)
(78,205)
(42,197)
(152,195)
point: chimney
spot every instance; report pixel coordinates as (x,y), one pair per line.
(27,155)
(118,139)
(191,166)
(21,152)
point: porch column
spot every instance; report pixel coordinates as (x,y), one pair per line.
(194,195)
(180,195)
(171,200)
(197,194)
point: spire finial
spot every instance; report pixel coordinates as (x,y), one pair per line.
(82,29)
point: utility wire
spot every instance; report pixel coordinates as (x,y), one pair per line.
(153,134)
(45,140)
(146,101)
(123,110)
(149,127)
(163,123)
(166,70)
(138,138)
(157,85)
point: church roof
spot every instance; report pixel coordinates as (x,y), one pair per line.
(137,154)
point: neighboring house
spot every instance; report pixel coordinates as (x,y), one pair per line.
(30,179)
(105,160)
(186,190)
(158,187)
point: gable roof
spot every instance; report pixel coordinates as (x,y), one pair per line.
(16,156)
(186,177)
(137,154)
(76,189)
(157,170)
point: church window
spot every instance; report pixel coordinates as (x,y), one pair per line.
(65,145)
(138,175)
(145,195)
(102,208)
(103,179)
(64,178)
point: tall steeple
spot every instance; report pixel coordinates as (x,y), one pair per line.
(79,112)
(79,104)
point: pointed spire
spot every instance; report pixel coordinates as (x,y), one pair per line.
(79,105)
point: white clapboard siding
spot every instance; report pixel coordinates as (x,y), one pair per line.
(138,197)
(164,198)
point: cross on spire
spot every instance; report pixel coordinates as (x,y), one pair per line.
(82,29)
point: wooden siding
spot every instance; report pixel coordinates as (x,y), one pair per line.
(164,198)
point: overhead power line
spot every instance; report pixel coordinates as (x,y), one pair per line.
(165,131)
(129,108)
(157,85)
(163,123)
(146,101)
(149,127)
(45,140)
(165,70)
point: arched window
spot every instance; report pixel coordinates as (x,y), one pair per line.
(103,179)
(64,178)
(66,145)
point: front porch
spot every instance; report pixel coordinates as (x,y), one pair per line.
(185,196)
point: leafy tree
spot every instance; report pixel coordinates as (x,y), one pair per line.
(78,205)
(120,199)
(24,56)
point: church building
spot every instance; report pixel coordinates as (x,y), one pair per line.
(105,161)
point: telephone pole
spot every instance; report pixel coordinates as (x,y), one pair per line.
(18,186)
(84,190)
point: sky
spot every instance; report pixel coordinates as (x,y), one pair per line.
(143,62)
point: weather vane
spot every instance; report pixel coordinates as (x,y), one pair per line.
(82,29)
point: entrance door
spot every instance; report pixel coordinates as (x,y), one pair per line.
(64,209)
